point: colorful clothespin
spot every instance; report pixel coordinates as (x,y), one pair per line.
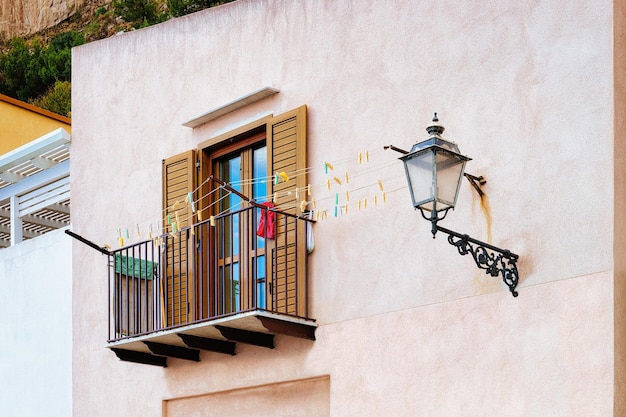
(337,180)
(193,205)
(284,176)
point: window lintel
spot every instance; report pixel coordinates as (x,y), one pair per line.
(231,106)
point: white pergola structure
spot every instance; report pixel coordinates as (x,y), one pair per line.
(35,188)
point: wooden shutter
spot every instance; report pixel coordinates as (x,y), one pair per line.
(179,178)
(286,143)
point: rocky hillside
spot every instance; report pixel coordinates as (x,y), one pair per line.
(25,17)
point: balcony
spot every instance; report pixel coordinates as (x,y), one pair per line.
(225,280)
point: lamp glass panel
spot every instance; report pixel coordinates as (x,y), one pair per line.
(449,169)
(420,175)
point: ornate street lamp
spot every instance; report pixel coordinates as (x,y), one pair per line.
(434,170)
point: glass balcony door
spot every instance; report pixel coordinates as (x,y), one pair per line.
(239,279)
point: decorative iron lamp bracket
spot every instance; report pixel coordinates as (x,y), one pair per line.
(434,170)
(492,259)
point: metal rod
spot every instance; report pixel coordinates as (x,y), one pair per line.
(102,250)
(393,148)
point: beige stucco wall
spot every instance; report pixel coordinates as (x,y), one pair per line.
(619,246)
(407,326)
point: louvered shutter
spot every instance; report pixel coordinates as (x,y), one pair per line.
(286,143)
(179,178)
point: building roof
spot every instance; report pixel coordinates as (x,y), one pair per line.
(35,109)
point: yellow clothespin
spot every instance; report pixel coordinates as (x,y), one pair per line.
(337,180)
(360,158)
(308,189)
(284,176)
(303,206)
(380,185)
(328,184)
(329,166)
(375,200)
(347,180)
(347,196)
(199,215)
(384,197)
(212,220)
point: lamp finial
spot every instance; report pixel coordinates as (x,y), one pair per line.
(435,129)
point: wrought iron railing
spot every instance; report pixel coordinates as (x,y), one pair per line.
(245,260)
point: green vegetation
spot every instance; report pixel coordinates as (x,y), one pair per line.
(38,71)
(182,7)
(58,99)
(29,69)
(139,13)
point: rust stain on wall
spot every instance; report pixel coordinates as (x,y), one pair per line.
(486,209)
(482,282)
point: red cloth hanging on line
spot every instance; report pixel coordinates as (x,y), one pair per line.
(267,222)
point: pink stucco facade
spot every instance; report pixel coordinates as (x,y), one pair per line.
(406,326)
